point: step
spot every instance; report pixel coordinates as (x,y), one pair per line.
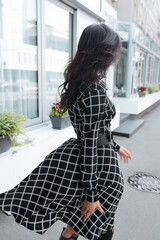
(128,128)
(124,117)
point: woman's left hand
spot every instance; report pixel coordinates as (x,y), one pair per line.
(124,154)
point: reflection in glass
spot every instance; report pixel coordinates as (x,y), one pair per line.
(139,65)
(58,28)
(18,57)
(120,77)
(152,71)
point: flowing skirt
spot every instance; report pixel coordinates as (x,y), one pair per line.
(54,190)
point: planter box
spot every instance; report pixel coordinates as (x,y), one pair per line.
(60,122)
(136,105)
(5,143)
(122,95)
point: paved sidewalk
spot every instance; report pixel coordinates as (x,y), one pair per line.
(138,214)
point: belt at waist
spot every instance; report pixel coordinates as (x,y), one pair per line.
(102,140)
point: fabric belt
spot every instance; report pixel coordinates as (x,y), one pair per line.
(103,139)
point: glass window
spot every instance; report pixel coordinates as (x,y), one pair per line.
(139,62)
(121,69)
(120,76)
(155,72)
(150,71)
(152,74)
(18,57)
(58,29)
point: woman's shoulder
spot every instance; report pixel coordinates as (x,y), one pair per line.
(95,94)
(99,88)
(102,85)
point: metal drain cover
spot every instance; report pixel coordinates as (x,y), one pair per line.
(145,182)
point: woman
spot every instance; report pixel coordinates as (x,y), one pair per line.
(80,182)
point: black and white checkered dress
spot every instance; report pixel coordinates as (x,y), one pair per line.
(74,171)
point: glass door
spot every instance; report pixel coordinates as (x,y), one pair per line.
(18,57)
(58,20)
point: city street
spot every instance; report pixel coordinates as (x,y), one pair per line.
(138,214)
(50,52)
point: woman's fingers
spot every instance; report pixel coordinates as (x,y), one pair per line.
(126,159)
(86,213)
(83,210)
(127,153)
(100,209)
(87,216)
(83,202)
(88,208)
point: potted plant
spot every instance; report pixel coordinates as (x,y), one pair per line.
(156,88)
(142,91)
(59,118)
(121,93)
(150,89)
(11,130)
(115,93)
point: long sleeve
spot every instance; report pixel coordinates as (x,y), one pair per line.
(94,105)
(115,144)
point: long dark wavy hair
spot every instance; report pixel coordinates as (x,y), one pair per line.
(98,48)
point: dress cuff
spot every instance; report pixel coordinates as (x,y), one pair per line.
(91,195)
(117,147)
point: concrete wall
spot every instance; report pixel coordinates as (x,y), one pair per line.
(145,14)
(124,10)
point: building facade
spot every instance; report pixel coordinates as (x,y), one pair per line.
(138,25)
(144,13)
(37,38)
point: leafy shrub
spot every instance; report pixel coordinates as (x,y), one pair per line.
(11,124)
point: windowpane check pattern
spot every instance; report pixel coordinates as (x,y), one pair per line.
(78,169)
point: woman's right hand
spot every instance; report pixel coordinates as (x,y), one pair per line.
(124,154)
(88,208)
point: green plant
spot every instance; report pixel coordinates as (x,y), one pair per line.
(150,88)
(11,124)
(156,88)
(153,88)
(56,110)
(144,93)
(121,93)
